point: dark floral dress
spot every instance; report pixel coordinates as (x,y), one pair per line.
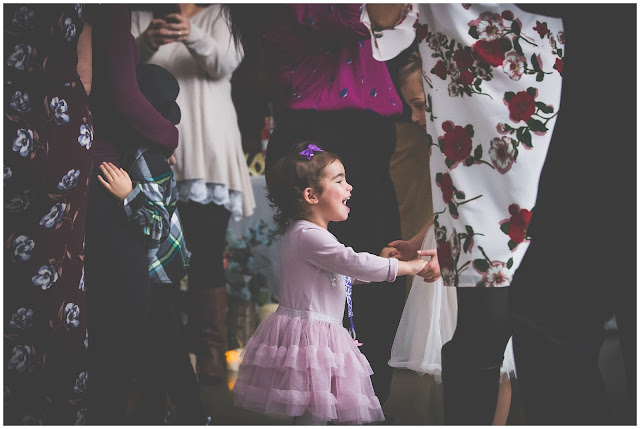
(48,134)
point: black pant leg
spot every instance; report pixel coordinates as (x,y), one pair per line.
(558,332)
(471,359)
(559,385)
(118,298)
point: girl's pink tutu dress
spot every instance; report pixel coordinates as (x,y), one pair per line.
(301,359)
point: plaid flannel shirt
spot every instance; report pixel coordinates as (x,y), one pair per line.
(151,207)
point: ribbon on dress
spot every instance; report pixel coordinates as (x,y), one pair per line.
(348,288)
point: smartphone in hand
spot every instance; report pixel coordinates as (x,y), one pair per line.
(161,10)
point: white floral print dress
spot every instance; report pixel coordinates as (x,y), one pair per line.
(492,80)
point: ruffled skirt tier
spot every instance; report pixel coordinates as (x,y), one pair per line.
(292,365)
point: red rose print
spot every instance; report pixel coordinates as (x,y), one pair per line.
(446,185)
(463,59)
(508,15)
(440,70)
(421,31)
(518,223)
(466,77)
(522,106)
(541,28)
(445,257)
(559,65)
(490,52)
(457,144)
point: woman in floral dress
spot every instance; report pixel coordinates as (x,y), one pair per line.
(48,136)
(492,80)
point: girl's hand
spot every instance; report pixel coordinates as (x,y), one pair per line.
(431,272)
(405,251)
(416,266)
(117,180)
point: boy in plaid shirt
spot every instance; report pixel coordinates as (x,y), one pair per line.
(147,189)
(151,206)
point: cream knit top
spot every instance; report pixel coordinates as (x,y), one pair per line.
(211,164)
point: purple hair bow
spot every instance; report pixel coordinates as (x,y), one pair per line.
(309,151)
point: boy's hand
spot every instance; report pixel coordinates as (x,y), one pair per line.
(388,252)
(405,251)
(117,180)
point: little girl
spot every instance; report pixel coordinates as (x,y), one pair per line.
(301,361)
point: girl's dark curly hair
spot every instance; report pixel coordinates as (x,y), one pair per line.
(289,177)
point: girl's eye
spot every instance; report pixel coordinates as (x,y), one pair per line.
(339,181)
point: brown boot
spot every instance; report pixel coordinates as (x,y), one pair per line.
(209,333)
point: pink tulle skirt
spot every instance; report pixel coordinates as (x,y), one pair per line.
(299,362)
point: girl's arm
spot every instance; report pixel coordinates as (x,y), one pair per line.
(321,249)
(412,267)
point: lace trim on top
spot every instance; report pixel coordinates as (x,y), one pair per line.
(304,314)
(199,191)
(336,279)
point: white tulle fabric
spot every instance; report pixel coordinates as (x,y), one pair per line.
(297,363)
(428,321)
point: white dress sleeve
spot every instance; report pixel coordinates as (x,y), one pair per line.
(321,249)
(387,44)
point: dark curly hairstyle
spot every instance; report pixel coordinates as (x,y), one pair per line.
(289,177)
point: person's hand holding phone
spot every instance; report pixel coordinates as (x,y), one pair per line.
(173,27)
(179,26)
(157,34)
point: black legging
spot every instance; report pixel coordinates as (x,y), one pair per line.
(365,142)
(471,359)
(204,227)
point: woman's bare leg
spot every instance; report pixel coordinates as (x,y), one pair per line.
(503,405)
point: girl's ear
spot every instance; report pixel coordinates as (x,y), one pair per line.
(310,196)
